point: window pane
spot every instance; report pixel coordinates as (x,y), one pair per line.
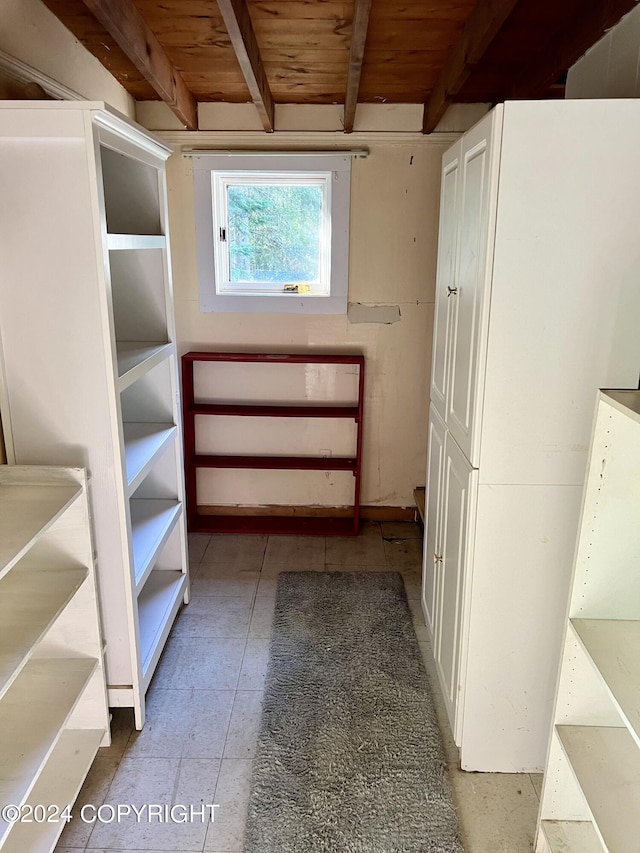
(274,233)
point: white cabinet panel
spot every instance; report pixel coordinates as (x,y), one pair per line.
(469,301)
(519,592)
(446,276)
(432,540)
(458,493)
(565,295)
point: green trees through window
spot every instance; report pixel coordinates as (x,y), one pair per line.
(274,233)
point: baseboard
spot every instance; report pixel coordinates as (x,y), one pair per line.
(367,513)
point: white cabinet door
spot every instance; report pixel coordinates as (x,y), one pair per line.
(446,275)
(432,522)
(469,303)
(458,500)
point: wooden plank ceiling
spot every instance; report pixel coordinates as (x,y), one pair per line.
(434,52)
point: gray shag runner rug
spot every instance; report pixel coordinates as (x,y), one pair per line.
(349,754)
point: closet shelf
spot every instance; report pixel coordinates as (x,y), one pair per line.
(612,645)
(294,463)
(30,602)
(606,763)
(122,242)
(152,522)
(144,443)
(26,513)
(567,835)
(136,358)
(33,714)
(58,784)
(158,605)
(269,410)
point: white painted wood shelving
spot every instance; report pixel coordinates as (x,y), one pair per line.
(89,357)
(591,794)
(53,704)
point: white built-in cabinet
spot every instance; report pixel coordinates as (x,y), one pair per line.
(591,793)
(89,357)
(536,307)
(53,704)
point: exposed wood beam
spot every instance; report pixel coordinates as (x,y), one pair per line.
(127,27)
(235,14)
(361,11)
(567,46)
(481,28)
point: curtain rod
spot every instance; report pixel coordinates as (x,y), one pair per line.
(269,152)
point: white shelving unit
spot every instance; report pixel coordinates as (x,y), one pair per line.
(591,793)
(53,704)
(89,356)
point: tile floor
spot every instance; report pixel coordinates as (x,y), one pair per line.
(203,706)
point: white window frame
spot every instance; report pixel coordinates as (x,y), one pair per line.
(212,172)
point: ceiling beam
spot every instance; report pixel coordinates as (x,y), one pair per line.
(483,25)
(567,46)
(361,11)
(235,14)
(127,27)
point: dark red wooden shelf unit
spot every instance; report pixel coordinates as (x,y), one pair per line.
(198,522)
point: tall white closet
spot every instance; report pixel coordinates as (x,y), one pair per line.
(89,359)
(537,306)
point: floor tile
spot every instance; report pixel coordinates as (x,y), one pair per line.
(412,585)
(293,553)
(197,546)
(238,551)
(254,665)
(422,633)
(536,781)
(224,581)
(400,530)
(262,618)
(226,833)
(346,567)
(403,553)
(267,586)
(497,812)
(122,725)
(202,663)
(93,792)
(161,781)
(183,724)
(215,616)
(242,736)
(366,549)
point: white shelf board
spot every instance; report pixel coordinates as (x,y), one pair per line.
(606,763)
(122,242)
(136,358)
(33,713)
(158,605)
(26,512)
(30,602)
(143,444)
(571,836)
(151,522)
(59,785)
(612,645)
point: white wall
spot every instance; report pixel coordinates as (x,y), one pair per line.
(394,221)
(31,33)
(611,68)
